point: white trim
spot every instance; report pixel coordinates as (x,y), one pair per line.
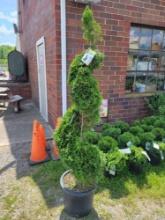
(38,43)
(63,57)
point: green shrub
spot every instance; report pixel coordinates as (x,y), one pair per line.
(147,128)
(128,137)
(122,125)
(112,131)
(149,120)
(159,133)
(85,163)
(106,126)
(116,162)
(74,137)
(137,160)
(160,123)
(136,123)
(108,144)
(136,130)
(92,137)
(146,137)
(65,136)
(156,103)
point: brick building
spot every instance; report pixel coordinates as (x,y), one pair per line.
(134,47)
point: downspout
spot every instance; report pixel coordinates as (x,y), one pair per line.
(63,56)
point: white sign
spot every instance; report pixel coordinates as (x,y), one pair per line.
(104,108)
(125,151)
(88,57)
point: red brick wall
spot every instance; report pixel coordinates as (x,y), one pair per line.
(116,17)
(37,19)
(22,89)
(42,18)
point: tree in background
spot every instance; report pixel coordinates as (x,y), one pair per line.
(4,51)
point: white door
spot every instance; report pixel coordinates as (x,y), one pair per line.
(42,82)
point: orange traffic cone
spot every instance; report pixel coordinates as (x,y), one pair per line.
(38,149)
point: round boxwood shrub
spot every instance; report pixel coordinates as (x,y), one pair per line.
(149,120)
(137,160)
(146,137)
(112,131)
(116,162)
(160,123)
(147,128)
(106,126)
(127,137)
(136,130)
(122,125)
(108,144)
(159,133)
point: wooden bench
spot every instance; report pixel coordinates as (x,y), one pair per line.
(15,100)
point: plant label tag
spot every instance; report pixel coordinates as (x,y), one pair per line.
(145,154)
(88,57)
(162,155)
(156,146)
(129,144)
(112,172)
(163,140)
(147,145)
(125,151)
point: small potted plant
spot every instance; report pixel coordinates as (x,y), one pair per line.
(77,146)
(116,163)
(127,139)
(137,160)
(107,144)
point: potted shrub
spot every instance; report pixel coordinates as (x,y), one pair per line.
(146,137)
(107,144)
(111,131)
(124,127)
(127,139)
(137,160)
(116,163)
(81,157)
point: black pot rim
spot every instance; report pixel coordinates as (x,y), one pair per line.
(71,191)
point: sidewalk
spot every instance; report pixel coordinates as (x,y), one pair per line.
(16,128)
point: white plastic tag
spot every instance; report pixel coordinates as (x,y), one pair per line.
(156,146)
(145,154)
(88,57)
(125,151)
(129,144)
(162,155)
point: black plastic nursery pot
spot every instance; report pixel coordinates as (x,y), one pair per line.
(135,168)
(77,204)
(155,158)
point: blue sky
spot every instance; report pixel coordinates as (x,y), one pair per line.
(8,15)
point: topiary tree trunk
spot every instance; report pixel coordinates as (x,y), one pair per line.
(76,152)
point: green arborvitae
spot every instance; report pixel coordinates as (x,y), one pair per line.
(92,30)
(71,136)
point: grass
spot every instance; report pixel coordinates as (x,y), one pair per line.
(38,196)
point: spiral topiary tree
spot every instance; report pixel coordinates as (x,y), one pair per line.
(77,153)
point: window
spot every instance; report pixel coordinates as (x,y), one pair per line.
(146,60)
